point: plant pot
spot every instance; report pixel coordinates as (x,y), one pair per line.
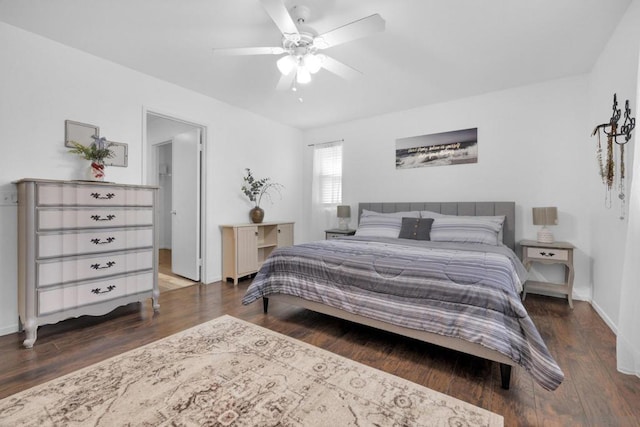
(257,215)
(96,171)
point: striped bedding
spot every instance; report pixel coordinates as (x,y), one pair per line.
(467,291)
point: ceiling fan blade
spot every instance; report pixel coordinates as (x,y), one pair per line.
(340,69)
(236,51)
(352,31)
(286,80)
(280,15)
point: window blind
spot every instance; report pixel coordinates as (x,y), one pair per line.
(328,171)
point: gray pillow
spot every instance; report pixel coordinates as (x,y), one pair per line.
(416,228)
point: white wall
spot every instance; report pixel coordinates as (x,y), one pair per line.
(534,149)
(615,72)
(43,83)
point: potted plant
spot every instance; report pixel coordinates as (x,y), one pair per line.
(95,152)
(255,189)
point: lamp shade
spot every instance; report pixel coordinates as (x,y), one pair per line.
(545,216)
(344,211)
(313,62)
(303,76)
(286,64)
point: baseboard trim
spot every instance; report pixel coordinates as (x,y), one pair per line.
(604,317)
(9,329)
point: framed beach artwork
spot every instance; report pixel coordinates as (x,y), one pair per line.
(437,149)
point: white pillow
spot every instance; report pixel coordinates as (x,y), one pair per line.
(379,226)
(408,214)
(498,219)
(431,214)
(465,230)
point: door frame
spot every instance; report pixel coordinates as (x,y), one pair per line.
(149,166)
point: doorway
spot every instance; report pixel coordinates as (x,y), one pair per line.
(174,160)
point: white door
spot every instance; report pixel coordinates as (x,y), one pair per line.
(185,218)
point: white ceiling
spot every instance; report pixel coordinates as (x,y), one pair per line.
(432,50)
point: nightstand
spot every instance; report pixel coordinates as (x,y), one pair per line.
(337,232)
(549,253)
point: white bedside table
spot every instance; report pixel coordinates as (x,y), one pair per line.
(549,253)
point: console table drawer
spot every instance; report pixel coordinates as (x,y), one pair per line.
(51,300)
(58,219)
(58,271)
(92,195)
(86,242)
(548,254)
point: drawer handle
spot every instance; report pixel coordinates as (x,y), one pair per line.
(99,291)
(547,254)
(108,265)
(99,241)
(107,196)
(100,218)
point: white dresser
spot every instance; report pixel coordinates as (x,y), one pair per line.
(84,248)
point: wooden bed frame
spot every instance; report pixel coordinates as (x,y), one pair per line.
(450,208)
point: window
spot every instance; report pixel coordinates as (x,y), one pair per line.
(327,171)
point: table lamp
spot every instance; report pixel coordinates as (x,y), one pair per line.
(545,216)
(344,214)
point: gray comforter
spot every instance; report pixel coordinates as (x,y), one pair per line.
(456,290)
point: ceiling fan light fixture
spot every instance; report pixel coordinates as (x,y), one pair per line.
(287,64)
(303,76)
(313,62)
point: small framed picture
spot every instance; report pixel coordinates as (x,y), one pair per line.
(120,154)
(79,132)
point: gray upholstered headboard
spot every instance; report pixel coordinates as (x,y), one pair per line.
(508,209)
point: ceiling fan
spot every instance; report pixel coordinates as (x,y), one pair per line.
(301,44)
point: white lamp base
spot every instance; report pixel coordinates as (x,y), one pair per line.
(545,235)
(343,223)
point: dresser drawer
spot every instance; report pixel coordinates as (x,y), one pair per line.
(58,271)
(92,195)
(332,235)
(59,219)
(55,299)
(92,241)
(548,254)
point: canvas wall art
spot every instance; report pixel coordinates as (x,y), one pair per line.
(437,149)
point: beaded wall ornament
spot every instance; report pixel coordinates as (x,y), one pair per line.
(608,169)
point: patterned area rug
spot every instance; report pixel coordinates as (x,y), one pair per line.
(228,372)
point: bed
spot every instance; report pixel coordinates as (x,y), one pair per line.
(458,286)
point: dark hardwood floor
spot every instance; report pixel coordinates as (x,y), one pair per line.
(593,393)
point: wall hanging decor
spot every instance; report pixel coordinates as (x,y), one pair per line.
(438,149)
(120,153)
(81,133)
(608,168)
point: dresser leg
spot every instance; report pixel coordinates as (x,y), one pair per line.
(31,333)
(155,297)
